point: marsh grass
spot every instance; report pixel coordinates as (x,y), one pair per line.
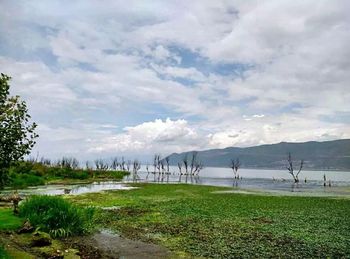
(199,222)
(57,216)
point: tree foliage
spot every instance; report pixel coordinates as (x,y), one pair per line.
(17,133)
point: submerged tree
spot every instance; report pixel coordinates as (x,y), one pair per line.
(190,166)
(235,164)
(167,168)
(179,165)
(136,166)
(17,133)
(148,172)
(290,168)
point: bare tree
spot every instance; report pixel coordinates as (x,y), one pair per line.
(159,166)
(179,165)
(68,162)
(235,164)
(147,169)
(193,162)
(290,168)
(115,164)
(162,168)
(101,165)
(155,163)
(128,166)
(122,164)
(185,162)
(198,167)
(136,168)
(88,166)
(167,169)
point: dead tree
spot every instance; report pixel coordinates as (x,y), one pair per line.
(122,164)
(88,166)
(68,162)
(185,162)
(147,169)
(155,159)
(136,168)
(198,167)
(290,168)
(193,162)
(163,169)
(235,164)
(167,169)
(159,166)
(115,164)
(101,165)
(179,165)
(128,166)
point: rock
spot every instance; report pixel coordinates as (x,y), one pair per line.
(41,239)
(26,228)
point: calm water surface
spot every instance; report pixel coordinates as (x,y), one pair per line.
(253,180)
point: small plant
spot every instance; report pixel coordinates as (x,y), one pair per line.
(57,216)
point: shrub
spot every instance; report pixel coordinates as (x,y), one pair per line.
(27,167)
(57,216)
(24,180)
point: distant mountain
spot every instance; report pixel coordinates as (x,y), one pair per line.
(328,155)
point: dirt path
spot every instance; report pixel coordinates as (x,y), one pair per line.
(109,245)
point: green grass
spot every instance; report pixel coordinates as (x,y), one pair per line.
(57,216)
(3,254)
(8,221)
(195,221)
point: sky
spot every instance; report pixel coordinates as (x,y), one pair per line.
(133,78)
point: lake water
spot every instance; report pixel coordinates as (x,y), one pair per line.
(272,181)
(251,180)
(73,189)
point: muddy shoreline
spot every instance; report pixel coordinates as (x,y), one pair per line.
(105,244)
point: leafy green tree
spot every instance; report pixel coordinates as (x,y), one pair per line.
(17,133)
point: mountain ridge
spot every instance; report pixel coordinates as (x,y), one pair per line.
(325,155)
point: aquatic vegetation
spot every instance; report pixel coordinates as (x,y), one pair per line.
(199,222)
(57,216)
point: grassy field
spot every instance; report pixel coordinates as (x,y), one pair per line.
(8,221)
(196,221)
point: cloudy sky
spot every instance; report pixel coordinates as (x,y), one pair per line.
(105,78)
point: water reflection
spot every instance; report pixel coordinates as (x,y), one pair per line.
(272,181)
(73,189)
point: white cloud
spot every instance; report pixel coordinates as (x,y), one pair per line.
(155,136)
(94,63)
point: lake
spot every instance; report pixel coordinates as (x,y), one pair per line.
(273,181)
(252,181)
